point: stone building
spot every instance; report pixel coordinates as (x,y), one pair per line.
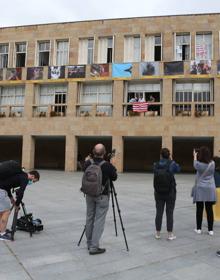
(66,86)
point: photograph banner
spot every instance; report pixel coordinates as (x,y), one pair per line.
(76,71)
(174,68)
(56,72)
(99,70)
(122,70)
(13,74)
(35,73)
(200,67)
(150,68)
(1,74)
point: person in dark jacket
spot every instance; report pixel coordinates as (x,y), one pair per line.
(167,199)
(18,182)
(97,207)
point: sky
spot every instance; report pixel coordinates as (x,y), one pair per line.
(27,12)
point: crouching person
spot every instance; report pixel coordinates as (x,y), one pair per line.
(96,185)
(20,181)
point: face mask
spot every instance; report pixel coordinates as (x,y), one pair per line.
(30,182)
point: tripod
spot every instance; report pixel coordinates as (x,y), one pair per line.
(114,201)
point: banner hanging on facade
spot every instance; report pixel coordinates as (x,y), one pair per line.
(174,68)
(76,71)
(121,70)
(56,72)
(99,70)
(35,73)
(200,67)
(13,74)
(150,68)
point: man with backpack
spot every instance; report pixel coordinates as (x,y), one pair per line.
(13,177)
(165,191)
(98,174)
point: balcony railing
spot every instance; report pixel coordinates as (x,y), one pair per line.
(92,110)
(154,110)
(188,109)
(52,110)
(11,111)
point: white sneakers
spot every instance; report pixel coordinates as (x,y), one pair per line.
(171,236)
(199,231)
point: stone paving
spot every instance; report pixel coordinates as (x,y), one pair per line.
(53,253)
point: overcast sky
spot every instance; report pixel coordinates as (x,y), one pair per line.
(24,12)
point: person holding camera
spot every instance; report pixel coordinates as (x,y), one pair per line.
(165,191)
(204,191)
(97,202)
(19,182)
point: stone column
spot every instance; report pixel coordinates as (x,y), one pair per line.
(167,142)
(118,90)
(167,98)
(72,99)
(118,48)
(117,143)
(71,153)
(28,151)
(29,100)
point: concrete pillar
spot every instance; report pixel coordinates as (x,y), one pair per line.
(193,42)
(118,92)
(29,100)
(119,48)
(167,45)
(71,152)
(167,142)
(118,144)
(72,99)
(28,151)
(167,98)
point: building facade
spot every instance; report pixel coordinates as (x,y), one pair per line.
(66,86)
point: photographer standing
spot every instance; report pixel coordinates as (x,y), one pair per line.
(97,205)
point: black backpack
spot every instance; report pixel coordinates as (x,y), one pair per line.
(9,168)
(164,180)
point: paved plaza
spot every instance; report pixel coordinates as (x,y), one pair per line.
(53,253)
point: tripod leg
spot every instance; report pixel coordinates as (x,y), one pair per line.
(119,214)
(113,209)
(14,224)
(84,230)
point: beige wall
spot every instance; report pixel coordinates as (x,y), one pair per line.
(116,126)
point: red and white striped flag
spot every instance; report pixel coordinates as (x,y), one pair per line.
(139,106)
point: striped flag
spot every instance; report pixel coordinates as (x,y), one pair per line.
(139,106)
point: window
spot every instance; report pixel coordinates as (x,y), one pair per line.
(149,92)
(20,58)
(99,95)
(153,48)
(86,47)
(132,50)
(201,94)
(54,95)
(3,55)
(43,53)
(182,46)
(203,46)
(105,50)
(12,96)
(62,57)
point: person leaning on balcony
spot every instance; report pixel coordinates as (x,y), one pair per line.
(204,191)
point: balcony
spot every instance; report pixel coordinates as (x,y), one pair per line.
(15,111)
(154,110)
(52,110)
(94,110)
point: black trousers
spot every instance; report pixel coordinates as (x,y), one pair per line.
(209,213)
(170,205)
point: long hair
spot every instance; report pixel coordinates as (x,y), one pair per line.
(204,154)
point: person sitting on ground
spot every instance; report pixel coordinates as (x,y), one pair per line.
(19,181)
(165,191)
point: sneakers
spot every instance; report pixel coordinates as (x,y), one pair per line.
(198,231)
(171,237)
(211,232)
(218,253)
(157,235)
(5,237)
(97,251)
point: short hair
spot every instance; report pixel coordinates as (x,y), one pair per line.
(204,154)
(35,173)
(165,153)
(100,151)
